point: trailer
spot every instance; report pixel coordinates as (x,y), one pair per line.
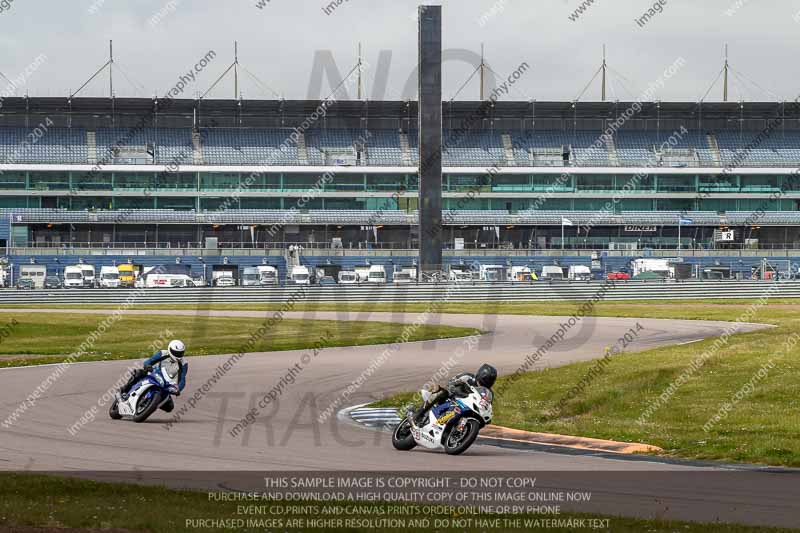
(35,273)
(661,267)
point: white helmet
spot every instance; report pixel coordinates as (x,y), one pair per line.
(176,349)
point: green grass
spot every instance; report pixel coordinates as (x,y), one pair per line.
(48,337)
(56,502)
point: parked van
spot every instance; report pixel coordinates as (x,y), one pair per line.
(153,281)
(376,274)
(89,279)
(109,277)
(35,273)
(579,273)
(73,277)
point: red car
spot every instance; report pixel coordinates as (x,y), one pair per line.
(618,276)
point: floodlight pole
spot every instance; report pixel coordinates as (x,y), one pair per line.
(725,86)
(235,70)
(483,73)
(359,72)
(111,69)
(604,66)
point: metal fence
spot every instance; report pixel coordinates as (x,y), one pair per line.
(472,292)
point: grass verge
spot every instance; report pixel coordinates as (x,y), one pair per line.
(54,503)
(39,338)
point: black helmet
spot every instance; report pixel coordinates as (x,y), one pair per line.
(486,376)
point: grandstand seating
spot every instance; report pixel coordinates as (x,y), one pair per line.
(357,217)
(55,145)
(321,146)
(245,146)
(120,145)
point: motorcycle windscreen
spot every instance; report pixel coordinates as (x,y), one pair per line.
(171,369)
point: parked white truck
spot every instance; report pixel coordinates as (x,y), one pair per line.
(109,277)
(579,273)
(268,275)
(73,277)
(300,275)
(251,277)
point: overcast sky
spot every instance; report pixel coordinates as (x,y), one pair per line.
(278,44)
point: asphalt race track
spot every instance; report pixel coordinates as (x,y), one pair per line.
(288,435)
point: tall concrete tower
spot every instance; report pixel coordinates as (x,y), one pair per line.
(430,139)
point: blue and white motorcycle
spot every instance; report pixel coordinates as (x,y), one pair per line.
(453,425)
(151,392)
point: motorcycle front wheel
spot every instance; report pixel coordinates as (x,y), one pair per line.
(113,411)
(458,440)
(402,439)
(146,407)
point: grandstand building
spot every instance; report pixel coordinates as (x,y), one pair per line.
(138,174)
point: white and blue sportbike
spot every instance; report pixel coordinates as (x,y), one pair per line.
(449,418)
(163,376)
(453,425)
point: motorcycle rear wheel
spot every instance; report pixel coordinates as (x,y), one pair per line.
(457,442)
(402,439)
(147,407)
